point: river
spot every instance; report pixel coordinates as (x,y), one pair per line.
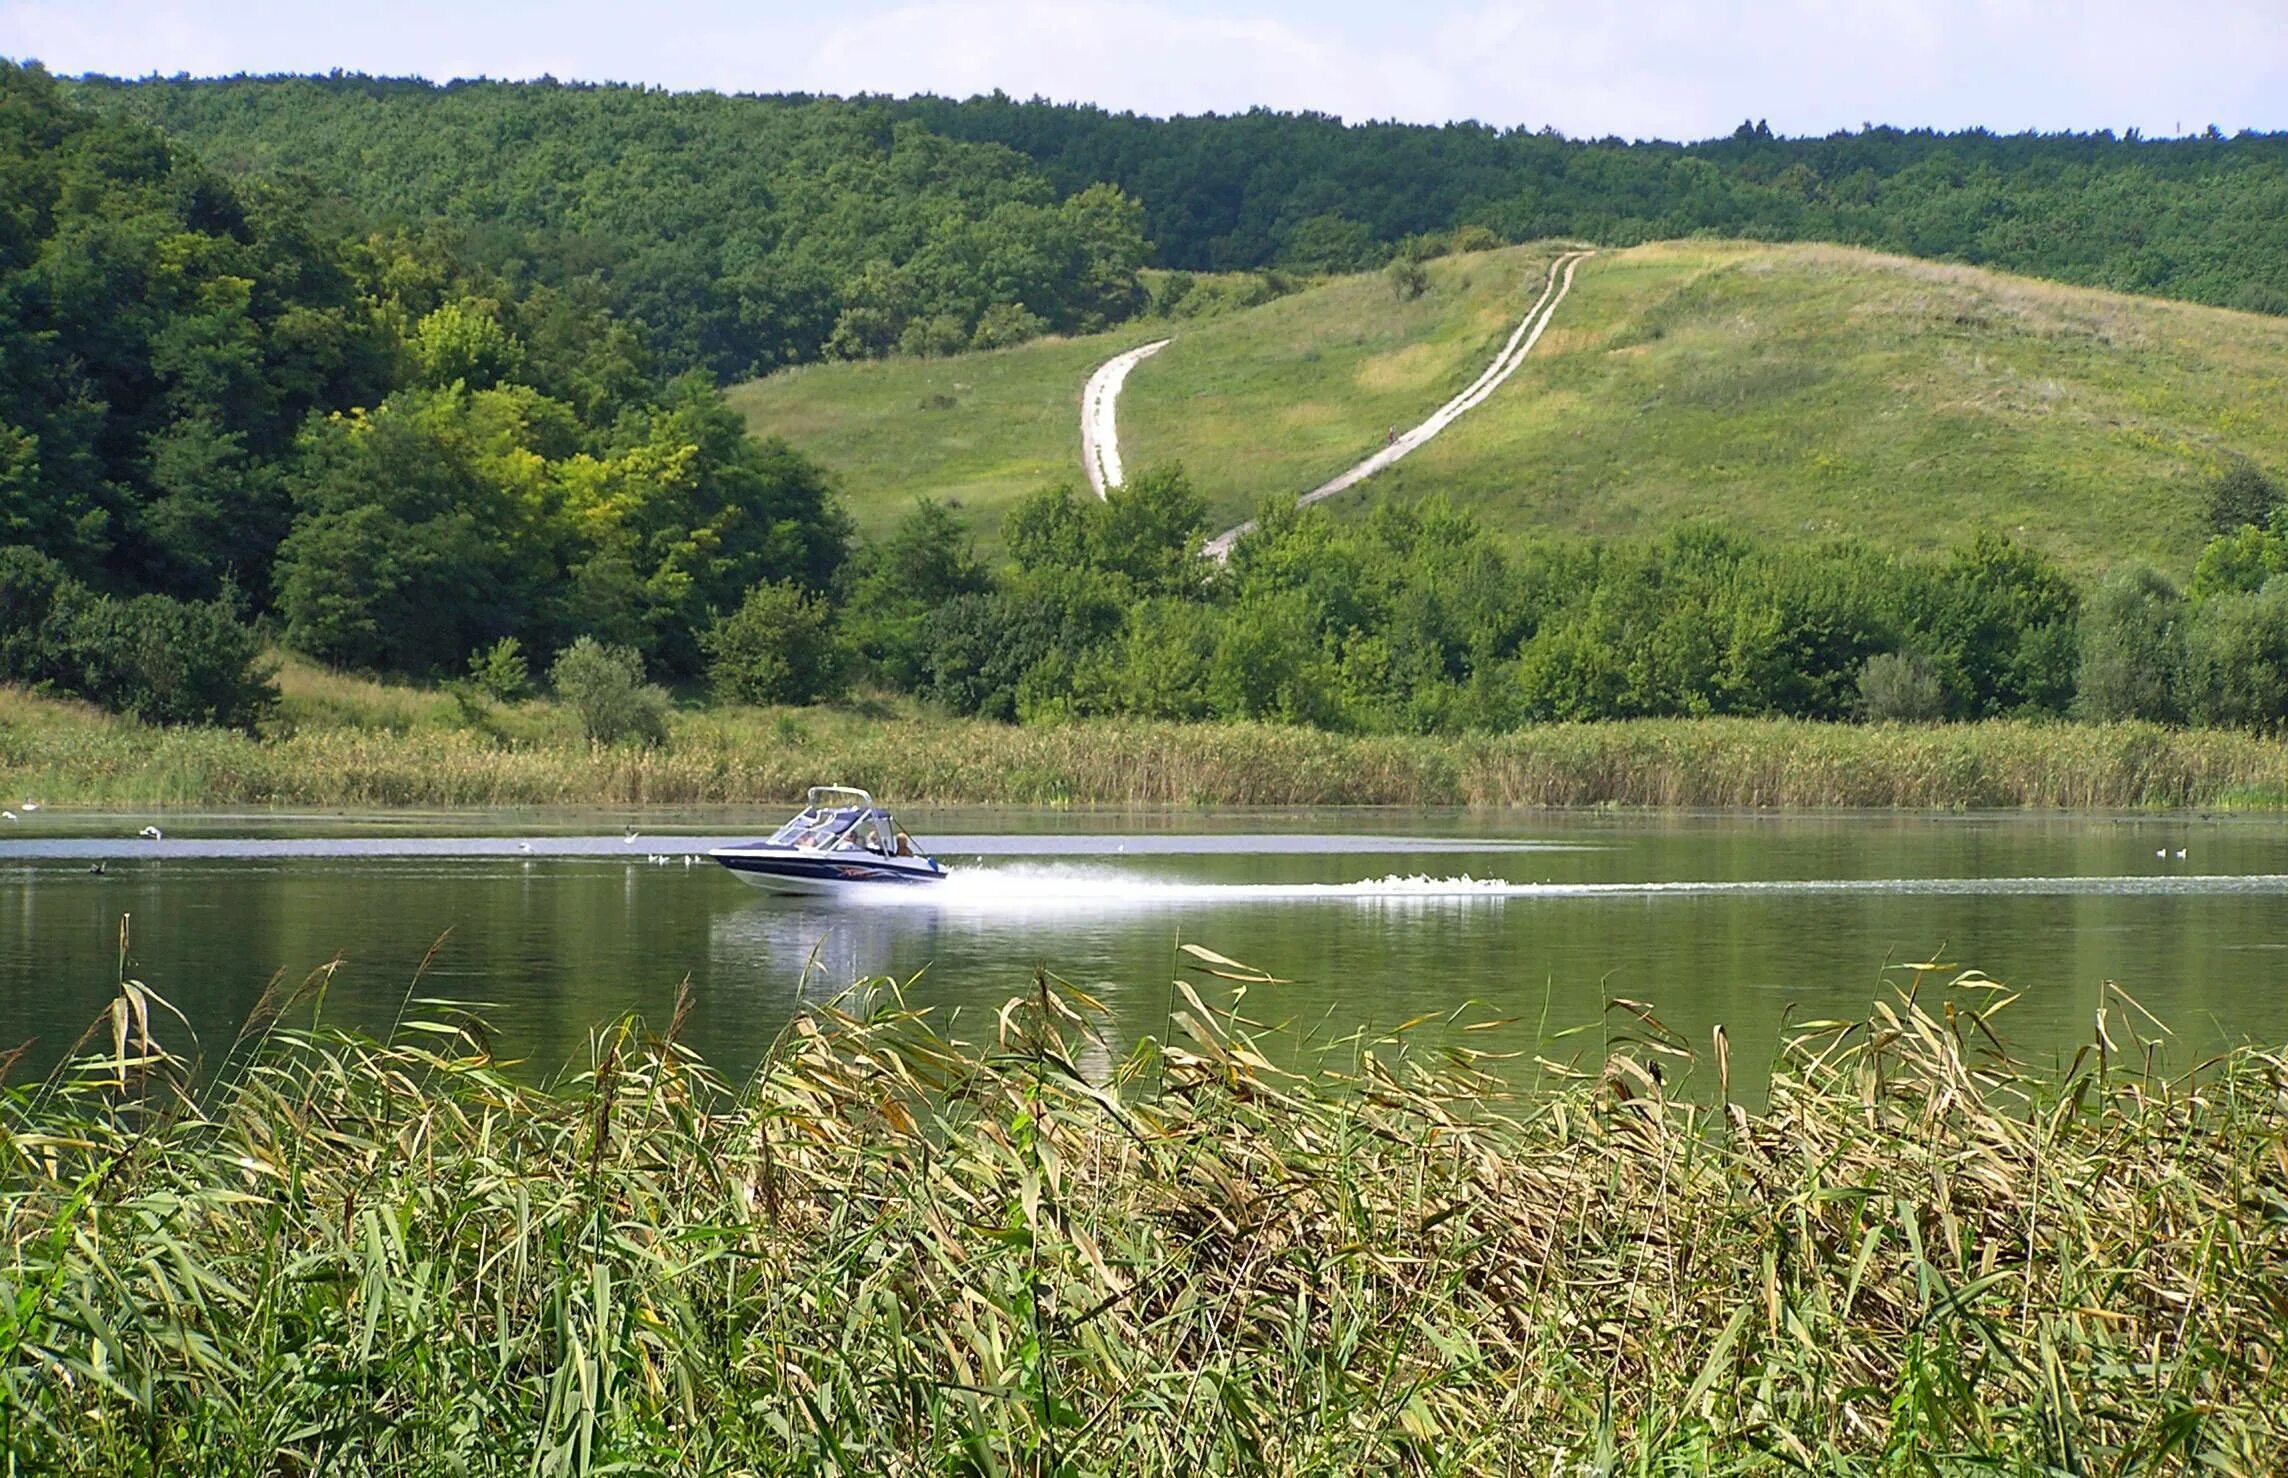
(556,922)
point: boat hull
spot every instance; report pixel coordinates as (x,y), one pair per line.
(800,874)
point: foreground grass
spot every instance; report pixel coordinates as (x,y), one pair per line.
(912,1245)
(413,749)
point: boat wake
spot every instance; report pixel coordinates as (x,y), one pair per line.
(1029,889)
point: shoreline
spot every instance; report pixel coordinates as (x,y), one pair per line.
(67,755)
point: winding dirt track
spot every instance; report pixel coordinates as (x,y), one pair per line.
(1521,342)
(1099,439)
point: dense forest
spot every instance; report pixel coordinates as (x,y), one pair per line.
(739,234)
(2190,218)
(744,233)
(216,403)
(443,433)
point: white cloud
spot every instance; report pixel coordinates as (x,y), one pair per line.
(1674,68)
(1125,54)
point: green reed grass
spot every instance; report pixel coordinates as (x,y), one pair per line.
(69,755)
(914,1245)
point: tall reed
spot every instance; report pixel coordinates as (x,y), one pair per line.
(753,756)
(905,1246)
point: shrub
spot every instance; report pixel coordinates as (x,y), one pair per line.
(164,661)
(780,646)
(500,671)
(2239,562)
(1408,278)
(605,687)
(2241,495)
(1005,324)
(1900,687)
(1474,238)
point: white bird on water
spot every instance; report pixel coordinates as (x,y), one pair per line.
(524,846)
(31,806)
(630,839)
(10,816)
(2180,854)
(151,834)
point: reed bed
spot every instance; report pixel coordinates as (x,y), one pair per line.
(71,756)
(911,1245)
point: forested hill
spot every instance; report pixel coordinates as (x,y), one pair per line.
(2192,218)
(741,234)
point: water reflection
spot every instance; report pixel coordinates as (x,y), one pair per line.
(1731,919)
(816,949)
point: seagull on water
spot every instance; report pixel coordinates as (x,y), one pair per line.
(101,869)
(2180,854)
(10,816)
(524,846)
(630,839)
(30,807)
(152,834)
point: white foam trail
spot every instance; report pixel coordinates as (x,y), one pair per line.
(1043,889)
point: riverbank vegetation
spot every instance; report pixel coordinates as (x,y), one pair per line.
(342,742)
(912,1243)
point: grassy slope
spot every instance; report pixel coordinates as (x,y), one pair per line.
(1808,389)
(1258,402)
(1795,390)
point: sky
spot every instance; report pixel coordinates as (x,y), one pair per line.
(1628,68)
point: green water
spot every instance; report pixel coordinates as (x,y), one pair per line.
(1722,918)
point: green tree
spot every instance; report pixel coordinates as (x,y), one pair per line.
(2239,562)
(927,560)
(605,688)
(2237,660)
(2133,649)
(780,646)
(501,671)
(464,343)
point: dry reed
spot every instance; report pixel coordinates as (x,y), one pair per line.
(900,1248)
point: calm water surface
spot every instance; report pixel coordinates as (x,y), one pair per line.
(1375,917)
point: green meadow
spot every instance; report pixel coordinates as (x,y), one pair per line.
(1795,391)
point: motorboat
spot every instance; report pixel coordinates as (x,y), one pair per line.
(840,844)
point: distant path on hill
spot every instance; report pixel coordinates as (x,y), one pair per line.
(1099,439)
(1521,342)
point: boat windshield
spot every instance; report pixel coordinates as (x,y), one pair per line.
(837,828)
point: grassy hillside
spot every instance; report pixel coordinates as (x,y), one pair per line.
(1261,401)
(1827,391)
(979,430)
(1793,390)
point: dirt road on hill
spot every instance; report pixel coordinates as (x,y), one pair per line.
(1505,364)
(1099,438)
